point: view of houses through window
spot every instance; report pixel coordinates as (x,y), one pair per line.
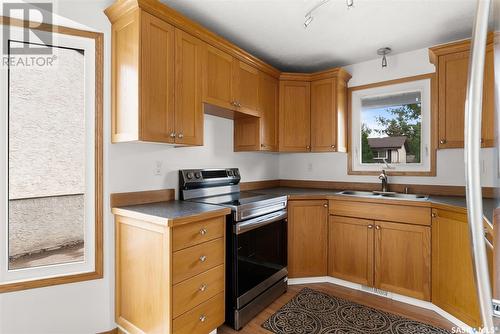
(391,129)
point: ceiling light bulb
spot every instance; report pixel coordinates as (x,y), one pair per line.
(308,21)
(384,52)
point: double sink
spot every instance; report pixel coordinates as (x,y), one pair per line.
(380,194)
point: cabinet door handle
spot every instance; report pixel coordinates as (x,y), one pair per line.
(442,141)
(325,205)
(180,135)
(377,227)
(482,140)
(172,134)
(203,318)
(333,146)
(203,231)
(434,215)
(203,258)
(203,287)
(233,103)
(370,226)
(308,147)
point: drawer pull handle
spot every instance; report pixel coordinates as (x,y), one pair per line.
(434,215)
(203,318)
(203,258)
(203,287)
(203,231)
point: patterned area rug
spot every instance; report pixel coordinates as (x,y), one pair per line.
(314,312)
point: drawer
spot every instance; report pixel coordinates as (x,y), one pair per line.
(194,260)
(188,235)
(378,211)
(203,318)
(197,290)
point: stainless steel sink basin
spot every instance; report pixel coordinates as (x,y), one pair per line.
(358,193)
(406,196)
(384,195)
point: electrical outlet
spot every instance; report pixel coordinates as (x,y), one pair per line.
(158,168)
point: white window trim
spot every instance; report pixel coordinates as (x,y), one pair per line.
(64,269)
(424,86)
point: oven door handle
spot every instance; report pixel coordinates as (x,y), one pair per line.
(254,223)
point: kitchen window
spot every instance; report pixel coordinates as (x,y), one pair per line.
(51,181)
(391,127)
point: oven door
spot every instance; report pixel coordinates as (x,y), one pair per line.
(260,255)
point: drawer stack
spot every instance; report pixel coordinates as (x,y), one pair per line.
(198,276)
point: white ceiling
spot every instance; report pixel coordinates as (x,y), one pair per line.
(273,29)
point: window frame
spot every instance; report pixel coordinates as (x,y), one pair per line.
(432,146)
(97,271)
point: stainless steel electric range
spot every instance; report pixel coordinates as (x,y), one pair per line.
(256,251)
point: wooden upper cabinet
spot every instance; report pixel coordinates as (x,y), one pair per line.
(157,80)
(230,83)
(307,238)
(245,88)
(295,116)
(350,249)
(329,114)
(452,63)
(218,78)
(189,55)
(268,101)
(403,259)
(453,287)
(260,133)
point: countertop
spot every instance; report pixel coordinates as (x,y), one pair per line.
(489,204)
(172,212)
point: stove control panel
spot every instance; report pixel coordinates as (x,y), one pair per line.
(199,178)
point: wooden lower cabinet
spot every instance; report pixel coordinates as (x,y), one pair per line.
(403,259)
(350,249)
(394,257)
(170,279)
(453,287)
(307,238)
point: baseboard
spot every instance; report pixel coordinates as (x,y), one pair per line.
(390,295)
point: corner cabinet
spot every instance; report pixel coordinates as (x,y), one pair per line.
(313,111)
(452,63)
(295,116)
(156,81)
(307,238)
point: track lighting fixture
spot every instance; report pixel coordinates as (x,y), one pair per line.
(384,52)
(309,15)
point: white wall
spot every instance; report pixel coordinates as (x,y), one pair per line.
(88,307)
(333,166)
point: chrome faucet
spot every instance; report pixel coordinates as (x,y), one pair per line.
(385,184)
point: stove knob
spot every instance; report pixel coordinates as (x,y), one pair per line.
(236,172)
(189,175)
(197,175)
(230,172)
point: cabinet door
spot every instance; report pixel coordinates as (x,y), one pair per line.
(453,70)
(403,259)
(453,287)
(307,238)
(268,98)
(157,80)
(295,116)
(323,116)
(246,88)
(188,89)
(350,249)
(218,77)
